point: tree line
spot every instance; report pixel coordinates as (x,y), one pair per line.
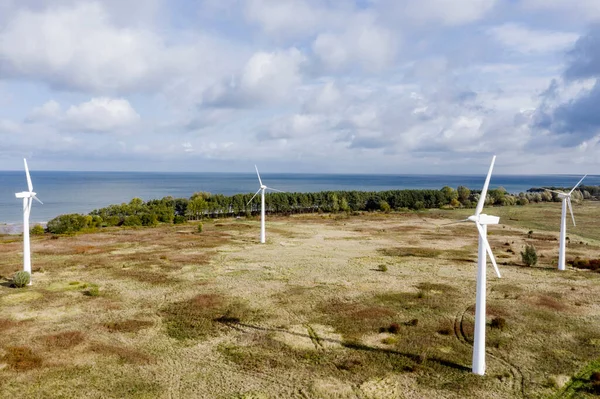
(205,205)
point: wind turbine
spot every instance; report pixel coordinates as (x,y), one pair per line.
(566,201)
(262,204)
(481,221)
(28,197)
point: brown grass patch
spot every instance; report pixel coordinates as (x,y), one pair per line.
(21,358)
(411,251)
(127,325)
(146,276)
(203,315)
(445,288)
(6,324)
(124,354)
(549,302)
(64,340)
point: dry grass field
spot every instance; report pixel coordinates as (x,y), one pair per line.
(370,306)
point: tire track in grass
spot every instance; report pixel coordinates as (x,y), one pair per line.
(517,380)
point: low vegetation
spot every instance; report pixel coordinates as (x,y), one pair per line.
(169,312)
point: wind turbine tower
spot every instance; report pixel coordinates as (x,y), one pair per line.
(28,197)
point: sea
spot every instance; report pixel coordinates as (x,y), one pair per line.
(82,192)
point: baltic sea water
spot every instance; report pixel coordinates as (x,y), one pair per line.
(82,192)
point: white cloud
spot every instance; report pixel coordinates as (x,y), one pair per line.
(530,41)
(267,77)
(79,48)
(51,110)
(364,43)
(289,18)
(450,13)
(102,115)
(587,10)
(7,127)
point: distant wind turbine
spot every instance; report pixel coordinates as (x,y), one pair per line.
(28,197)
(481,221)
(262,204)
(566,201)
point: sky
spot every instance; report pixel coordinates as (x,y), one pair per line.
(329,86)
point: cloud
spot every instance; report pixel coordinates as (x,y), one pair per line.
(100,115)
(586,10)
(78,47)
(584,58)
(569,109)
(449,13)
(267,77)
(528,41)
(362,43)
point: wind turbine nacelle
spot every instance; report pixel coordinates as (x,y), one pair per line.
(488,219)
(563,195)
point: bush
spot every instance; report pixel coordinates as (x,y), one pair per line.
(498,322)
(200,227)
(529,256)
(382,268)
(92,291)
(178,219)
(133,220)
(37,230)
(65,224)
(21,279)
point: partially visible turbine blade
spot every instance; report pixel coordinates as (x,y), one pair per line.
(488,249)
(253,197)
(458,221)
(29,185)
(570,209)
(260,181)
(573,189)
(485,188)
(274,189)
(556,192)
(38,200)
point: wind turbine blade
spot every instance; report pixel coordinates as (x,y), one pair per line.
(29,185)
(274,189)
(258,174)
(556,192)
(487,248)
(38,200)
(570,209)
(253,197)
(457,222)
(485,188)
(573,189)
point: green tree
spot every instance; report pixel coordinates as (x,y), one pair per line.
(463,193)
(529,256)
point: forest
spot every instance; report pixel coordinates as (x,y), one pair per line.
(206,205)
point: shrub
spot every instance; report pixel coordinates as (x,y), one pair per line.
(200,227)
(65,224)
(498,322)
(382,268)
(21,279)
(92,291)
(37,230)
(529,256)
(413,322)
(133,220)
(149,219)
(179,219)
(384,206)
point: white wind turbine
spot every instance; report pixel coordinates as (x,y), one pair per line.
(481,221)
(262,204)
(28,197)
(566,201)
